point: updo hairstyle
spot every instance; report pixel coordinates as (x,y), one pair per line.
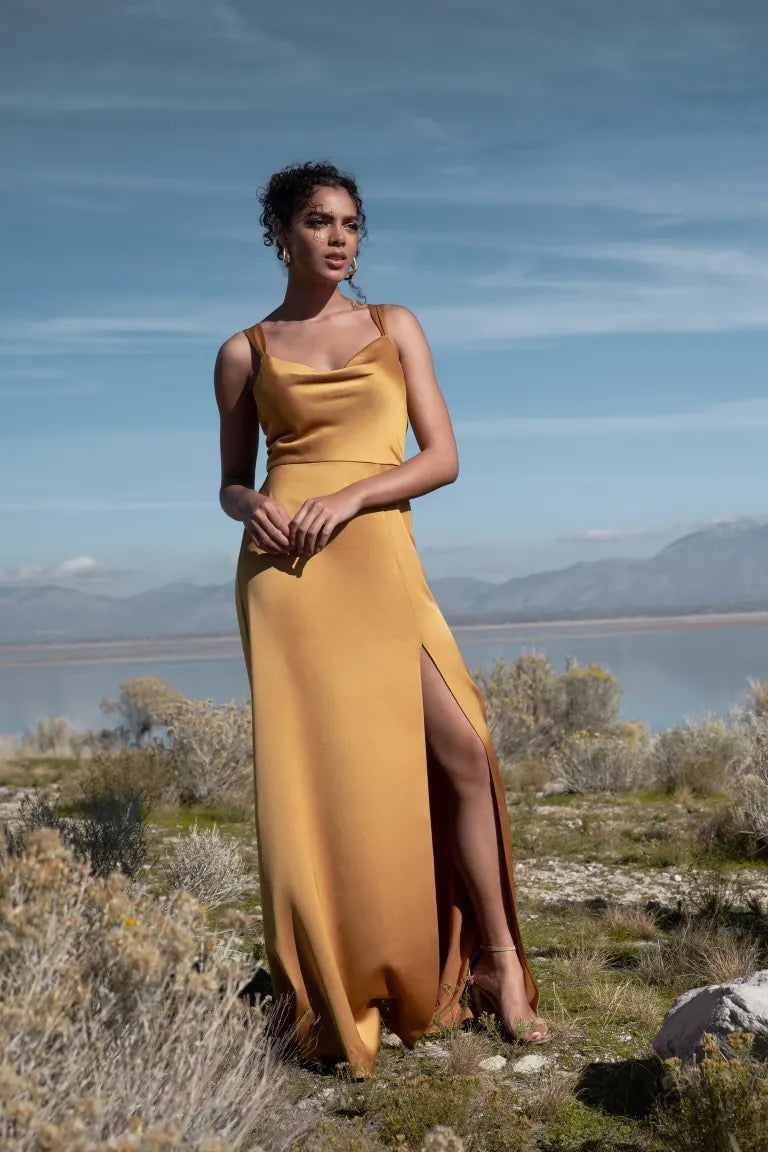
(288,190)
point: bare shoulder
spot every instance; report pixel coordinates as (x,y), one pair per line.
(233,372)
(403,326)
(235,352)
(400,318)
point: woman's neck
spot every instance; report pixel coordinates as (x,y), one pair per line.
(305,300)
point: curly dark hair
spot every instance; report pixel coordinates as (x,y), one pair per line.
(289,190)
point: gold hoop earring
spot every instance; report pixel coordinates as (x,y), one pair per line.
(283,254)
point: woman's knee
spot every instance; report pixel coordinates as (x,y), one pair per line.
(464,763)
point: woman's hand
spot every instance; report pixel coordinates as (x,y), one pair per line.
(311,527)
(266,525)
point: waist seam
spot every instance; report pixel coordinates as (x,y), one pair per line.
(331,460)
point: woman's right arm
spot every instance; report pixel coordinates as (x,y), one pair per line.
(266,522)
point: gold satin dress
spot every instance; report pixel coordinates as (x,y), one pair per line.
(364,910)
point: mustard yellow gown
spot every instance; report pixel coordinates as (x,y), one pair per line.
(364,910)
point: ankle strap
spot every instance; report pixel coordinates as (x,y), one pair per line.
(499,947)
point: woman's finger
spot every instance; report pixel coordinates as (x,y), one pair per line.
(276,532)
(266,535)
(296,530)
(313,530)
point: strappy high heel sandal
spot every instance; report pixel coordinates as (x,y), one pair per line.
(484,1000)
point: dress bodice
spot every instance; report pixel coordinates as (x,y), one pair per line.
(356,412)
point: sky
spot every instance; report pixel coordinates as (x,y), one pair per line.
(571,196)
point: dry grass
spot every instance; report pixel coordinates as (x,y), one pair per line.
(696,954)
(464,1051)
(630,922)
(625,1002)
(553,1088)
(585,959)
(120,1023)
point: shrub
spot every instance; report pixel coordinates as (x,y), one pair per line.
(522,701)
(207,865)
(588,762)
(120,1020)
(111,830)
(531,708)
(53,736)
(419,1104)
(698,756)
(527,774)
(9,747)
(110,834)
(148,770)
(718,1104)
(144,704)
(757,698)
(590,698)
(740,827)
(211,748)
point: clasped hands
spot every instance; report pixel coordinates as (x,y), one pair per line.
(269,527)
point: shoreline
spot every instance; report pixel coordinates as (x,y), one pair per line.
(54,653)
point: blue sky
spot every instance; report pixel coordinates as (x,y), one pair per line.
(571,196)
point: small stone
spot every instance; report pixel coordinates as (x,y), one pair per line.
(442,1139)
(493,1063)
(531,1063)
(391,1040)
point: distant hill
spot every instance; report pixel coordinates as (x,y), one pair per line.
(718,569)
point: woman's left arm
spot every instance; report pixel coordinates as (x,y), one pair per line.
(436,464)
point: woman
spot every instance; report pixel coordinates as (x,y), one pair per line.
(383,840)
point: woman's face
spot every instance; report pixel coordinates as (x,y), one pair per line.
(323,236)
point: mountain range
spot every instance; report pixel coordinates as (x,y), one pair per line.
(723,568)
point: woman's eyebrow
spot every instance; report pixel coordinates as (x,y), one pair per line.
(329,215)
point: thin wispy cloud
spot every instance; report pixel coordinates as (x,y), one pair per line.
(75,568)
(81,505)
(609,535)
(32,101)
(33,175)
(746,416)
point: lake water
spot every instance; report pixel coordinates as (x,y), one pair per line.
(670,669)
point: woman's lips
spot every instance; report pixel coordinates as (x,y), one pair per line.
(336,260)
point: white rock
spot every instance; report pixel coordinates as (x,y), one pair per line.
(531,1063)
(390,1040)
(738,1005)
(493,1063)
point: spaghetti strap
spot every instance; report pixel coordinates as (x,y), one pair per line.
(256,338)
(377,315)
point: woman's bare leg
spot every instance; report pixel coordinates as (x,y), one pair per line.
(462,758)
